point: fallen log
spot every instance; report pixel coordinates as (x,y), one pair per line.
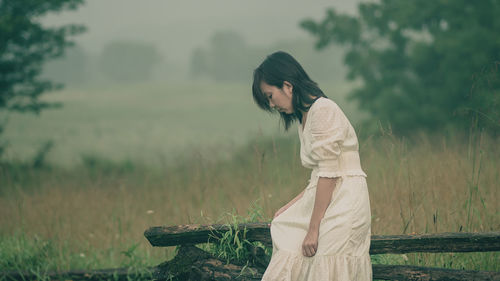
(435,243)
(161,236)
(192,263)
(408,272)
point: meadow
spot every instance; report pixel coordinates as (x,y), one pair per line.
(164,155)
(152,123)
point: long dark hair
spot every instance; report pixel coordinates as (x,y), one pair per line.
(274,70)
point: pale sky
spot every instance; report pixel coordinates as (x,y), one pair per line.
(176,27)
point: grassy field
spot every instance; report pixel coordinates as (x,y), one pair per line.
(91,211)
(150,123)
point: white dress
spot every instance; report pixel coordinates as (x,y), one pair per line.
(329,147)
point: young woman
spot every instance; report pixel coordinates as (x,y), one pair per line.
(324,232)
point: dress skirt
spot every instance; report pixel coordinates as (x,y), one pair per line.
(343,242)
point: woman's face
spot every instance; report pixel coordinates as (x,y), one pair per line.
(279,99)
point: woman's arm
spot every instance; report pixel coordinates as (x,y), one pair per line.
(324,190)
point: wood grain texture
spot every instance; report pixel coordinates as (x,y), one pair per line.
(407,272)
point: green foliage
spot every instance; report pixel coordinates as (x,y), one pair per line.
(97,165)
(21,253)
(123,61)
(422,64)
(232,246)
(25,44)
(40,157)
(136,264)
(38,256)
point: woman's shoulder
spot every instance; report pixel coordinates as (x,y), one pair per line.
(323,104)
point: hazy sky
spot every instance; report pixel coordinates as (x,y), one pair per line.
(176,27)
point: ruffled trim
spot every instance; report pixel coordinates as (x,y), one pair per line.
(326,174)
(287,266)
(316,173)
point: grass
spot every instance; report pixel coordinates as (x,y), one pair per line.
(89,216)
(232,246)
(149,123)
(109,178)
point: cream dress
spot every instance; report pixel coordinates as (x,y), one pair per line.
(329,147)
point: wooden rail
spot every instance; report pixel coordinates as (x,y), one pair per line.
(162,236)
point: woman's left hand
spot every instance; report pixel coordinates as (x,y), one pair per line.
(310,244)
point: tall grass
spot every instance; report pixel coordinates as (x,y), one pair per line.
(92,215)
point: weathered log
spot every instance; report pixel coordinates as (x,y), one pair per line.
(406,272)
(161,236)
(435,243)
(192,263)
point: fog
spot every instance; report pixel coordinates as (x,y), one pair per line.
(146,69)
(176,28)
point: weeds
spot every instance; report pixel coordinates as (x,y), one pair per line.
(39,257)
(232,245)
(99,209)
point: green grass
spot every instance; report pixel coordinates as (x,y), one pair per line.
(39,256)
(232,246)
(151,123)
(123,161)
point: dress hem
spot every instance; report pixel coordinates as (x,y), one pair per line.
(286,266)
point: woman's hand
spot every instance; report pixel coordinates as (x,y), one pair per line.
(281,210)
(310,244)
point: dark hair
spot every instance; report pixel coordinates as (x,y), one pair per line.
(274,70)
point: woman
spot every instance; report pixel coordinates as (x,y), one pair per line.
(324,232)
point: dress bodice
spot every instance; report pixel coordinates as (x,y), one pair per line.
(329,144)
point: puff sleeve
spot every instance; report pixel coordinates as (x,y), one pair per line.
(329,128)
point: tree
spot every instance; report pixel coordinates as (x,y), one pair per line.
(198,63)
(25,44)
(420,62)
(70,69)
(227,62)
(128,61)
(229,58)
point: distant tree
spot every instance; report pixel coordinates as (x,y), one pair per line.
(422,64)
(124,61)
(228,59)
(199,64)
(25,44)
(225,59)
(70,69)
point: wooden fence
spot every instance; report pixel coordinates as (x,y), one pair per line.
(380,244)
(192,263)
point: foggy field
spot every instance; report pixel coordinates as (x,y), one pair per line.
(151,123)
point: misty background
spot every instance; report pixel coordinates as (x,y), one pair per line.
(175,33)
(153,80)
